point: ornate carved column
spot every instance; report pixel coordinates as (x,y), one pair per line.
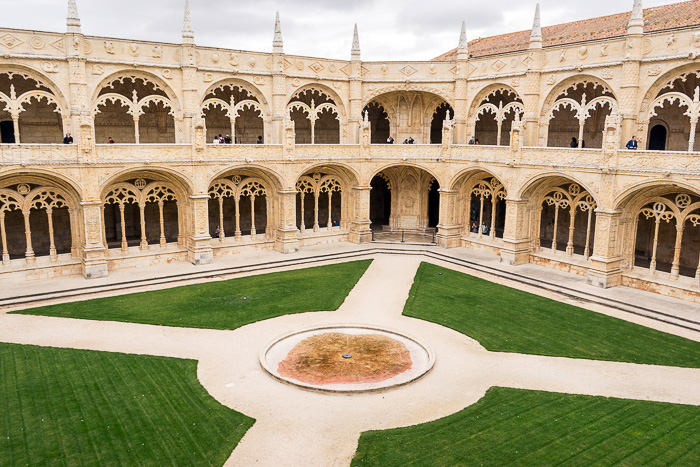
(287,240)
(360,226)
(199,250)
(606,260)
(448,235)
(516,238)
(94,250)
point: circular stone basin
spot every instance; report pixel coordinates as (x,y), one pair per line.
(346,359)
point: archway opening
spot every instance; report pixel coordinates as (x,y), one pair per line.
(132,109)
(436,124)
(29,111)
(380,202)
(234,113)
(379,123)
(577,116)
(495,116)
(319,203)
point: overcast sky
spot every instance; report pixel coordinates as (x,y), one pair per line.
(389,30)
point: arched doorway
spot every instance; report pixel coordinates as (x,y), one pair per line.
(657,138)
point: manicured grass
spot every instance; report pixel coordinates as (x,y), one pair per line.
(512,427)
(223,304)
(503,319)
(82,408)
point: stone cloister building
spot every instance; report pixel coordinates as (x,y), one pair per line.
(309,163)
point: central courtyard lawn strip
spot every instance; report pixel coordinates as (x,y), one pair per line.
(516,427)
(82,408)
(223,304)
(503,319)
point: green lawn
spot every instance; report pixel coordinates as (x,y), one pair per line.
(512,427)
(503,319)
(81,408)
(223,304)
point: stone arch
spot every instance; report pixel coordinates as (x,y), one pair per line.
(184,184)
(140,100)
(319,115)
(406,87)
(492,112)
(236,107)
(324,198)
(415,200)
(144,207)
(574,103)
(562,215)
(411,112)
(39,216)
(237,211)
(660,228)
(481,205)
(673,100)
(32,106)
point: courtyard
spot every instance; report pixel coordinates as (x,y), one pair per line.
(168,371)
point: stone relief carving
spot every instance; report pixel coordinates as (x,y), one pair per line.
(36,42)
(109,47)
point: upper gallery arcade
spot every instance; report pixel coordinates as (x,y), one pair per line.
(550,180)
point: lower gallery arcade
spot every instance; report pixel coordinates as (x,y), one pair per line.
(148,216)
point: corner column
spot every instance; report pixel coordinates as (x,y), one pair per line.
(606,261)
(199,250)
(516,249)
(448,235)
(360,226)
(94,250)
(287,239)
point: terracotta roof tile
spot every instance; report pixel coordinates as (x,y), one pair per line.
(673,16)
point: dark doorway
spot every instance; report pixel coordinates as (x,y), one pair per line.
(379,123)
(434,205)
(379,203)
(7,132)
(657,138)
(439,117)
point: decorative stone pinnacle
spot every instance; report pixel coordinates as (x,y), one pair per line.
(636,24)
(187,31)
(536,34)
(277,44)
(463,48)
(72,18)
(355,53)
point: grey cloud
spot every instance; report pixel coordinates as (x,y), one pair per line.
(409,30)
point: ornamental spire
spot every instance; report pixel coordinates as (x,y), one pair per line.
(355,53)
(277,44)
(536,34)
(72,18)
(463,48)
(187,31)
(636,24)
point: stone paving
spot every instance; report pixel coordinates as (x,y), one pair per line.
(297,427)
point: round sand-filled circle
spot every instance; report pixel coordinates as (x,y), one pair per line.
(346,359)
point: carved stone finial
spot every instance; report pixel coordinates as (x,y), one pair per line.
(463,49)
(636,24)
(72,18)
(366,116)
(536,34)
(355,53)
(277,44)
(187,31)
